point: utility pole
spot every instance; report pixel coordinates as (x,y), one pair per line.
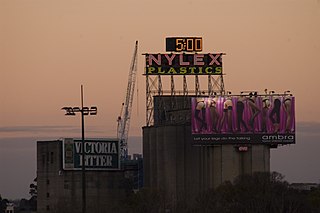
(71,111)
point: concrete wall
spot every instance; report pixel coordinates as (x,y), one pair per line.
(173,165)
(61,191)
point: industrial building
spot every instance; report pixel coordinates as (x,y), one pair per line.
(60,190)
(174,165)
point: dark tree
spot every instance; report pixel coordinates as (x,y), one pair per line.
(34,194)
(145,200)
(314,200)
(257,193)
(3,204)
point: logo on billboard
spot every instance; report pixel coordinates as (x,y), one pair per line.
(184,64)
(100,154)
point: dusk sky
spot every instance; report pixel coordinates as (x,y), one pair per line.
(48,48)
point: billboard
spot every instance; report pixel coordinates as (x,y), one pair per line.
(244,119)
(184,64)
(100,154)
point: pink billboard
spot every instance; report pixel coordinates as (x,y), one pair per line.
(260,118)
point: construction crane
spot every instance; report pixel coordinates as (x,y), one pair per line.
(125,113)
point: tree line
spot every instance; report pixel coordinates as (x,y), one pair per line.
(256,193)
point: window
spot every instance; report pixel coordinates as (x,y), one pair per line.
(48,194)
(43,159)
(51,157)
(48,157)
(48,207)
(48,181)
(66,184)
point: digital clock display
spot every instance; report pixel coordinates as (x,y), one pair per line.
(184,44)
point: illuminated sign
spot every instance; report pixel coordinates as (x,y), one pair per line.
(184,64)
(244,119)
(100,154)
(184,44)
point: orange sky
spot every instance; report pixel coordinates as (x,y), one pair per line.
(48,48)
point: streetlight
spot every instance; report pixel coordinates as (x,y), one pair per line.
(84,111)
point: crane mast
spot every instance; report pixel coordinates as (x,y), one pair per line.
(125,114)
